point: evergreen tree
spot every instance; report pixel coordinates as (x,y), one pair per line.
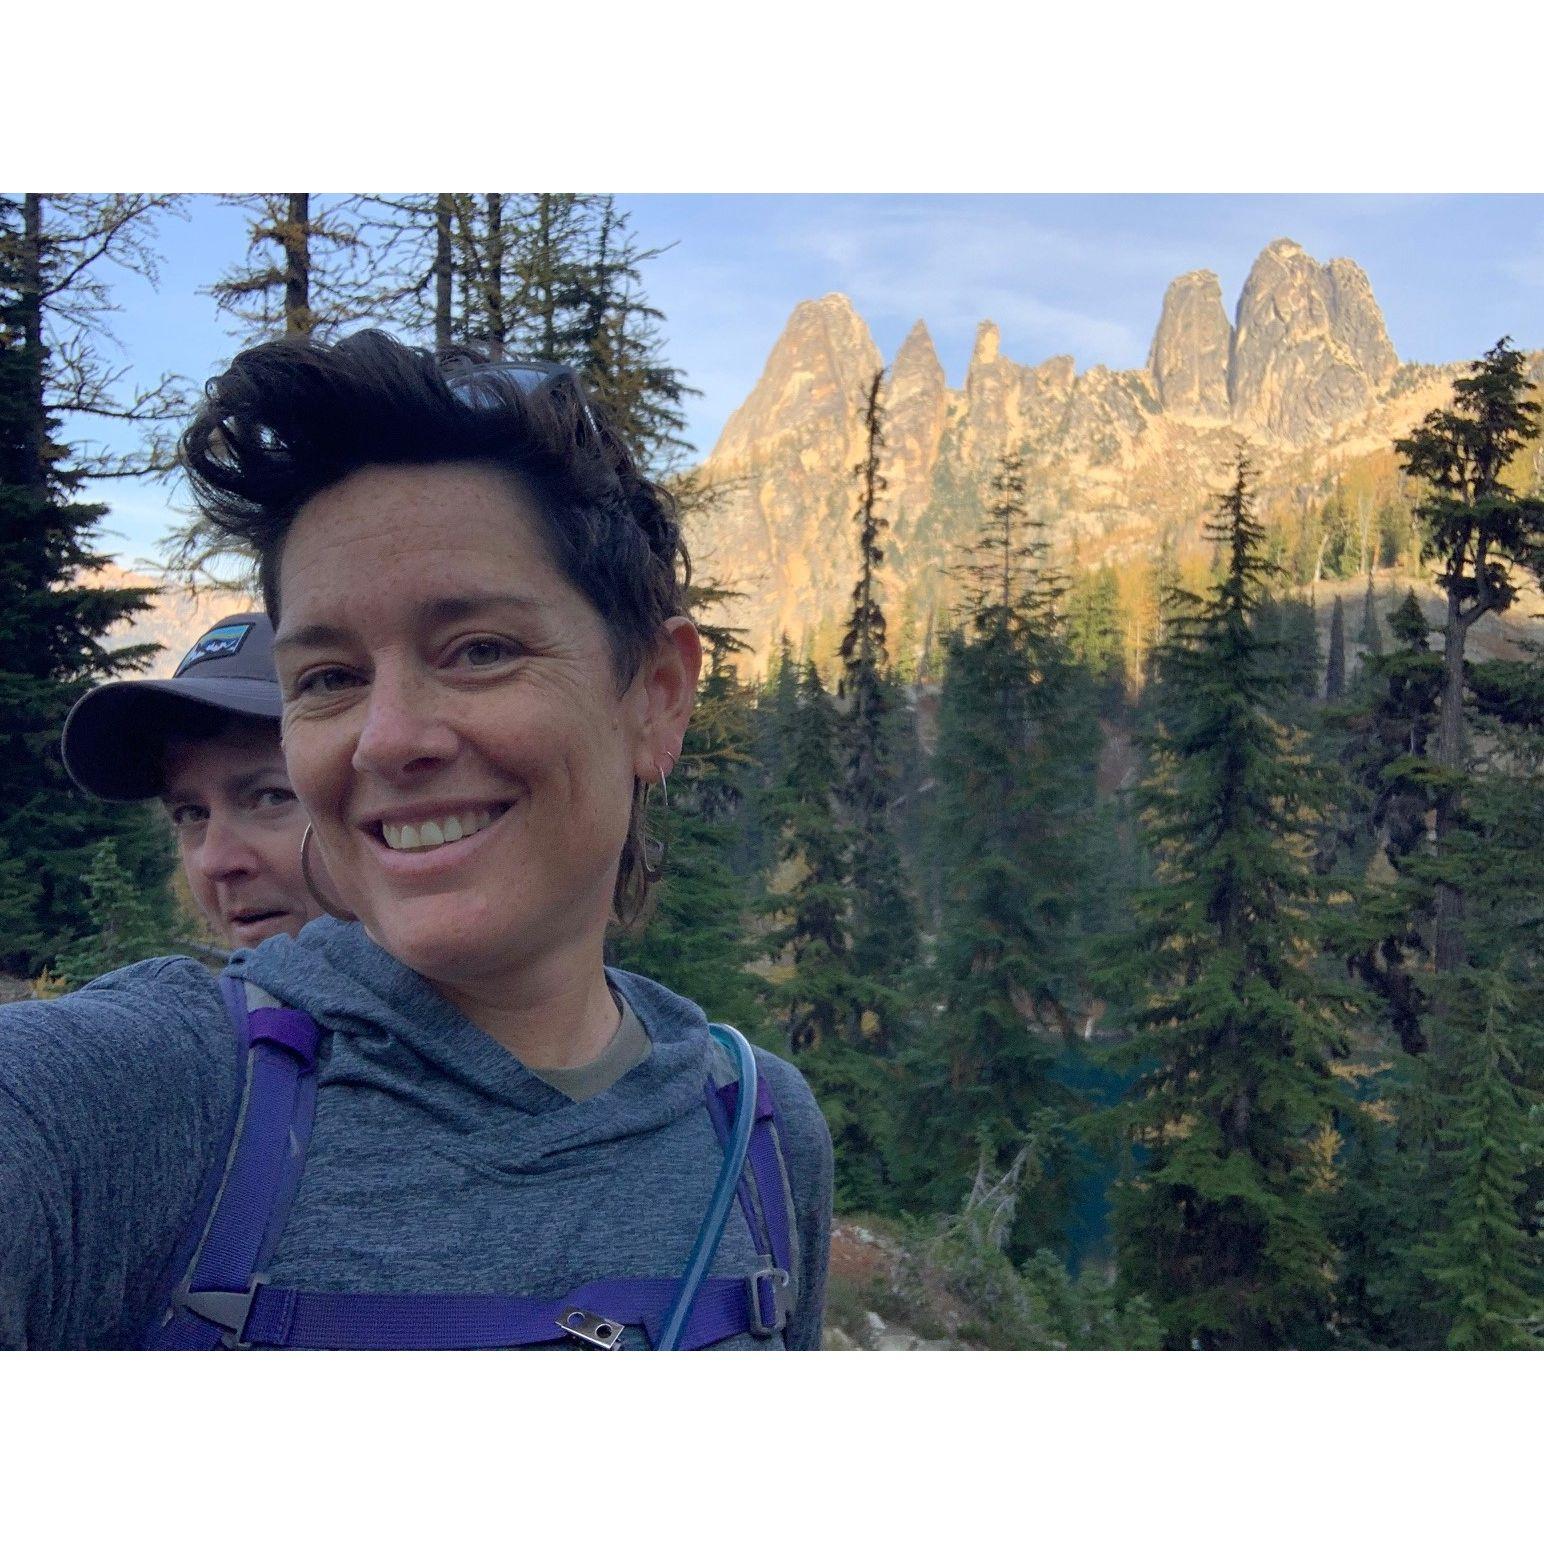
(1335,671)
(60,247)
(1388,728)
(771,737)
(410,245)
(1486,1261)
(1370,634)
(300,276)
(882,919)
(1481,534)
(1013,775)
(617,345)
(1223,1230)
(815,998)
(309,270)
(52,619)
(1094,639)
(1488,1071)
(125,924)
(696,935)
(1288,625)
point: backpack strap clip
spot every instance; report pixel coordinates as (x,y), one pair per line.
(769,1295)
(229,1310)
(591,1328)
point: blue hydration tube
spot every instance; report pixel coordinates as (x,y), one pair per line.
(717,1215)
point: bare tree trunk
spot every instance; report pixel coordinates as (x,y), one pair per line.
(493,288)
(1449,756)
(443,271)
(298,319)
(34,432)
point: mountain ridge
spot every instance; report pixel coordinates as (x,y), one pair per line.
(1119,462)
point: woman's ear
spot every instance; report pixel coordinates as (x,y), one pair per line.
(669,678)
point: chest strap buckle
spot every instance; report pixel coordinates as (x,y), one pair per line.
(229,1310)
(590,1328)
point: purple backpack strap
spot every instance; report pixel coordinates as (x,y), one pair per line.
(770,1223)
(222,1299)
(233,1233)
(594,1313)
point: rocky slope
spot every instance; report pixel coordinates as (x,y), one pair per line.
(1304,374)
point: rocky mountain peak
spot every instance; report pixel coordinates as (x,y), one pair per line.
(1189,357)
(1359,320)
(989,345)
(1115,456)
(916,402)
(1309,346)
(916,363)
(818,371)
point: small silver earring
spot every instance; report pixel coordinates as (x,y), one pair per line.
(316,894)
(664,787)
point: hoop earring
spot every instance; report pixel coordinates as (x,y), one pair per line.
(664,787)
(311,885)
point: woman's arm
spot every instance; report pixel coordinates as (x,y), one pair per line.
(113,1103)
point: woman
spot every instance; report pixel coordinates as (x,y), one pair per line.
(206,744)
(485,662)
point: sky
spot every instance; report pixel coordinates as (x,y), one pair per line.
(1059,274)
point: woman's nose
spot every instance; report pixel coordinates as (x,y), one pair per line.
(404,731)
(225,853)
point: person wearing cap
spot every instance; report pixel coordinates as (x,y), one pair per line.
(206,743)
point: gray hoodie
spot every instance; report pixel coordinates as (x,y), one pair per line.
(438,1162)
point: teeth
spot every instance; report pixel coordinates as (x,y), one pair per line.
(435,833)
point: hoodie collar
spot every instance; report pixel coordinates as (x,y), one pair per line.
(384,1024)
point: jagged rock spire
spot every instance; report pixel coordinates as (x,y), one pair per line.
(1189,356)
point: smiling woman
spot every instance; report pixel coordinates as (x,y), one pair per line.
(485,661)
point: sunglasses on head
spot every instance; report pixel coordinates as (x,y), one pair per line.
(475,387)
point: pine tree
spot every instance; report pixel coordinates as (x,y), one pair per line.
(300,276)
(1094,639)
(771,738)
(1487,1074)
(1389,728)
(310,269)
(882,919)
(1487,1262)
(616,341)
(52,619)
(1335,671)
(408,244)
(1223,1230)
(696,936)
(125,924)
(1013,775)
(815,999)
(1370,634)
(1482,535)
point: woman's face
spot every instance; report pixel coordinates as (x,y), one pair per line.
(453,724)
(238,831)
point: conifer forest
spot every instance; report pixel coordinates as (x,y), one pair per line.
(1189,1000)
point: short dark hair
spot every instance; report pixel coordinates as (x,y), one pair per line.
(294,416)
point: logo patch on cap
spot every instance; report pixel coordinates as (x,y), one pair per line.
(217,643)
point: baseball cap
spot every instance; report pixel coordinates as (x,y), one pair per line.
(114,740)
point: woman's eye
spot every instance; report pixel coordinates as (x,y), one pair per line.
(188,814)
(273,798)
(482,652)
(327,679)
